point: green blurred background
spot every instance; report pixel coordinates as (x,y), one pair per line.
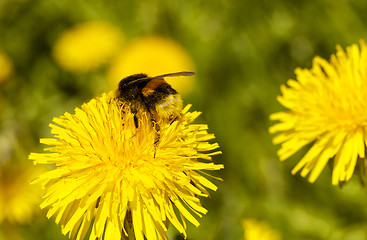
(242,52)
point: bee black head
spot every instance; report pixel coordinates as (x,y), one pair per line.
(131,78)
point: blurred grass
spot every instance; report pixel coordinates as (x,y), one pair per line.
(243,52)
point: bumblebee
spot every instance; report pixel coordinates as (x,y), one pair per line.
(153,95)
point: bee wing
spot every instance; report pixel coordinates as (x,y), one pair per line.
(177,74)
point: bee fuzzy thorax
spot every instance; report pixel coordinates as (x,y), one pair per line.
(170,107)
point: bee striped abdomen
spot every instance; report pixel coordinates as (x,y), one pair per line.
(162,99)
(170,107)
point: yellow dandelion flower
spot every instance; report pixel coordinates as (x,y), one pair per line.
(255,230)
(327,109)
(155,56)
(87,46)
(6,67)
(18,199)
(109,174)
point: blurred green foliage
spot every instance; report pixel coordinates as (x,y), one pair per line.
(243,51)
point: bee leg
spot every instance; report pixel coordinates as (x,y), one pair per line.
(156,141)
(136,121)
(134,111)
(157,129)
(157,138)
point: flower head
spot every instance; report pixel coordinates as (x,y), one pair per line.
(6,67)
(87,46)
(153,55)
(18,199)
(111,175)
(255,230)
(327,108)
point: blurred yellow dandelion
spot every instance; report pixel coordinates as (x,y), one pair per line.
(110,175)
(6,67)
(154,56)
(255,230)
(327,109)
(87,46)
(18,199)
